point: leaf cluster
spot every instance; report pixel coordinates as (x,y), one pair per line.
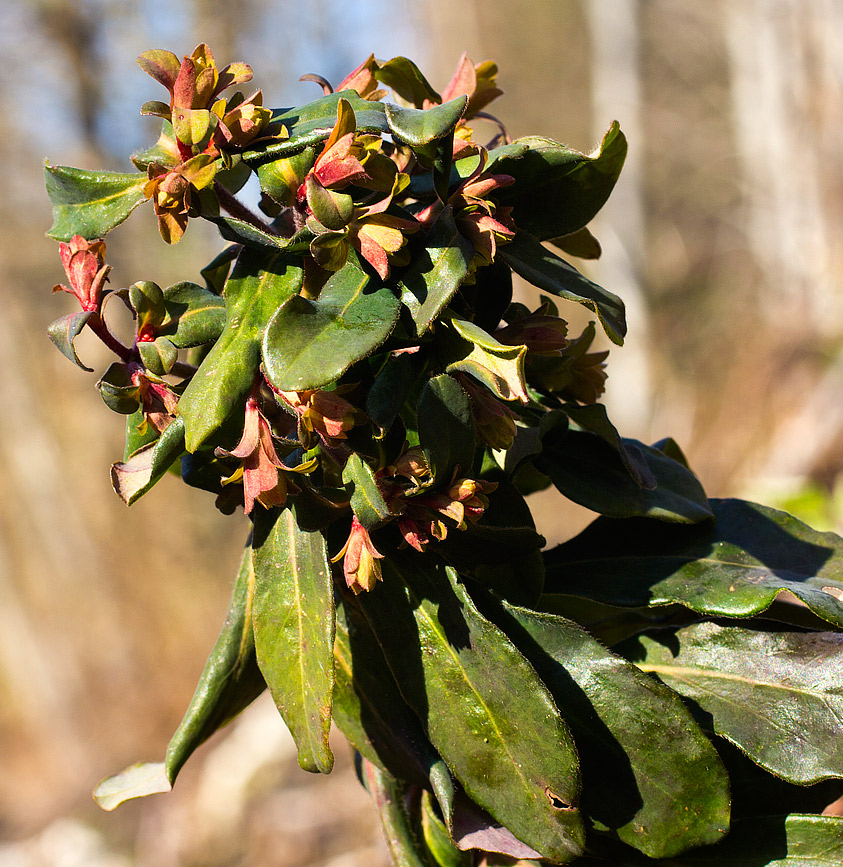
(354,373)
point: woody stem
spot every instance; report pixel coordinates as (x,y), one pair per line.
(97,324)
(238,210)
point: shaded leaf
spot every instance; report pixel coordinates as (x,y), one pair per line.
(65,330)
(587,470)
(536,264)
(734,566)
(446,428)
(419,127)
(257,287)
(392,386)
(436,271)
(311,343)
(776,695)
(482,705)
(241,232)
(436,836)
(649,773)
(557,190)
(132,478)
(294,627)
(581,244)
(90,204)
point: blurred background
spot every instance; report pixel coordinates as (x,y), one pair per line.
(724,236)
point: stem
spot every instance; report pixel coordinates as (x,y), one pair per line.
(182,368)
(97,324)
(238,210)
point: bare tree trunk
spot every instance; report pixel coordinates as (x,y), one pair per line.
(616,93)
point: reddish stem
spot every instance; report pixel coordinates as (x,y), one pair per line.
(97,324)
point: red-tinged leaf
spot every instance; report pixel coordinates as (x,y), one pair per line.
(162,65)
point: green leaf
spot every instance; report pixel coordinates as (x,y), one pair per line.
(282,178)
(498,366)
(241,232)
(419,127)
(368,707)
(65,330)
(118,391)
(138,434)
(229,683)
(436,837)
(388,795)
(446,428)
(393,384)
(132,478)
(483,706)
(90,204)
(734,566)
(645,762)
(194,315)
(367,502)
(581,244)
(231,679)
(310,344)
(406,79)
(778,696)
(436,271)
(557,190)
(587,470)
(158,356)
(257,287)
(536,264)
(775,841)
(294,627)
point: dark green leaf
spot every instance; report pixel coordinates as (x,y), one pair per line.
(132,478)
(777,696)
(436,837)
(294,627)
(483,707)
(419,127)
(309,344)
(392,386)
(775,841)
(587,470)
(241,232)
(138,433)
(734,566)
(436,271)
(65,330)
(536,264)
(194,315)
(257,287)
(557,190)
(229,683)
(581,244)
(90,204)
(118,391)
(366,500)
(645,762)
(368,707)
(446,428)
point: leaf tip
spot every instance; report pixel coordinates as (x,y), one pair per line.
(136,781)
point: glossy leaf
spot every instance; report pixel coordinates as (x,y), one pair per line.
(536,264)
(64,330)
(368,707)
(229,683)
(776,695)
(436,837)
(367,502)
(406,79)
(294,627)
(241,232)
(393,385)
(590,472)
(419,127)
(734,566)
(446,428)
(483,707)
(557,190)
(311,343)
(231,679)
(775,841)
(90,204)
(257,287)
(649,773)
(436,271)
(282,178)
(158,356)
(132,478)
(194,315)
